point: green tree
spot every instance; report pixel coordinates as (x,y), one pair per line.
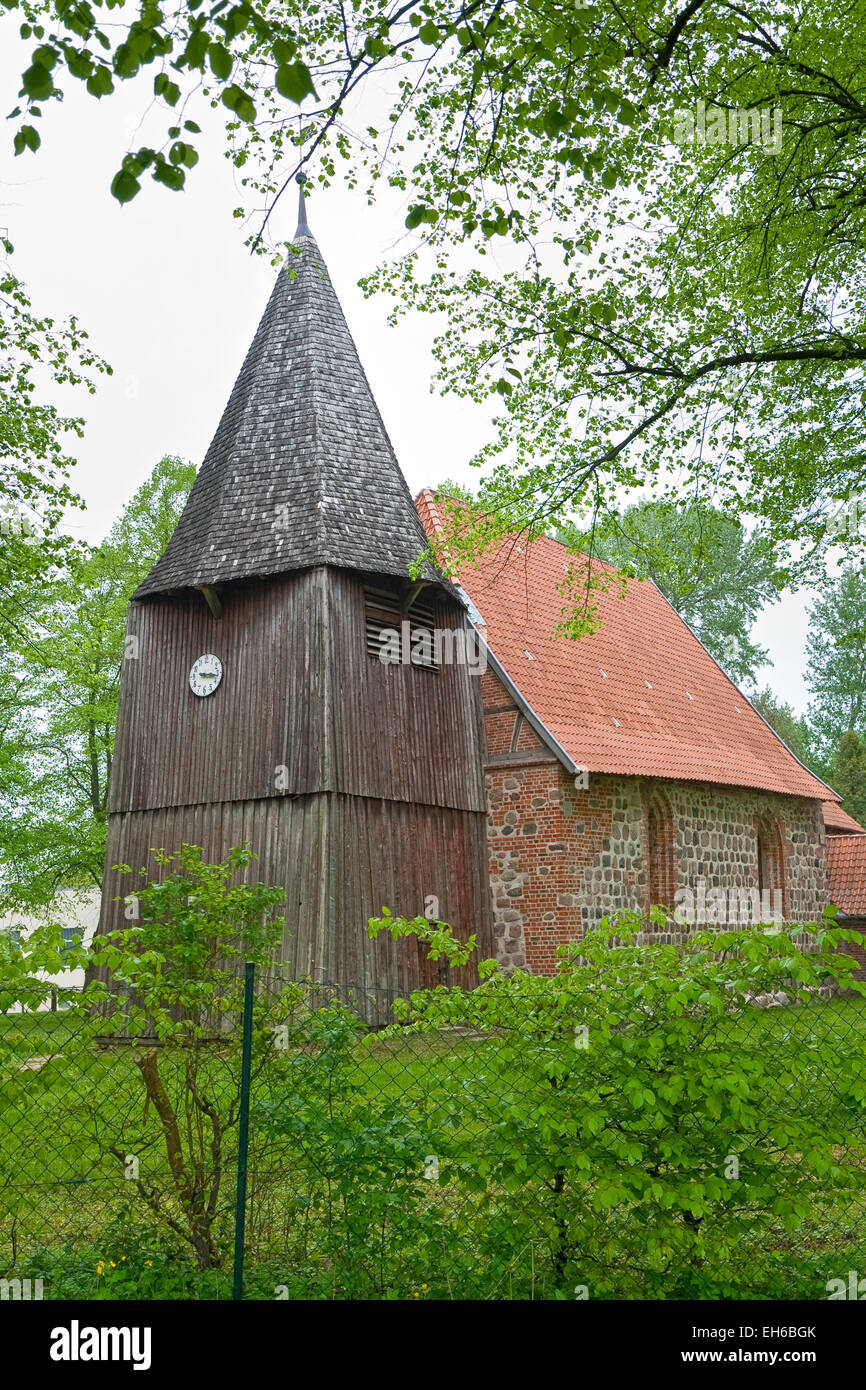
(678,319)
(173,984)
(60,692)
(683,300)
(715,575)
(793,730)
(34,463)
(836,660)
(449,491)
(849,774)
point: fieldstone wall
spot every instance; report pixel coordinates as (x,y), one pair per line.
(562,857)
(716,840)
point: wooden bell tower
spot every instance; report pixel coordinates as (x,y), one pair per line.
(254,705)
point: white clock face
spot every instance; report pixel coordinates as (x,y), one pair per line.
(205,675)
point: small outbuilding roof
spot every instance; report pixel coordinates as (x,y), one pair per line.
(846,857)
(838,822)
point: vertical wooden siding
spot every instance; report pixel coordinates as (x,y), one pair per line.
(340,859)
(300,692)
(383,798)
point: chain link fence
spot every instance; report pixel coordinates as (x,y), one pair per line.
(447,1155)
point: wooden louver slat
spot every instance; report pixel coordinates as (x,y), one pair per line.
(384,609)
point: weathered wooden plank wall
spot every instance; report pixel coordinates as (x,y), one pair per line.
(382,798)
(340,859)
(298,691)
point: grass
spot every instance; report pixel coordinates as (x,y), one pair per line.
(37,1032)
(65,1205)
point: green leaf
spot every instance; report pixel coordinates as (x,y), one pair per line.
(27,138)
(169,175)
(293,81)
(124,186)
(126,61)
(237,100)
(221,61)
(284,51)
(376,47)
(182,153)
(196,50)
(79,64)
(236,21)
(100,83)
(36,82)
(46,56)
(165,88)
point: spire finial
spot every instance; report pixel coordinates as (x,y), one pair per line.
(303,227)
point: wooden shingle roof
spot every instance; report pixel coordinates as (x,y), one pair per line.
(300,472)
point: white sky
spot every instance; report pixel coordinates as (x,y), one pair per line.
(171,298)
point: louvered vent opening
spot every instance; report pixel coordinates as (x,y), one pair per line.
(386,611)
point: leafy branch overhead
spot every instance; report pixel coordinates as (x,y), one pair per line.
(675,190)
(186,49)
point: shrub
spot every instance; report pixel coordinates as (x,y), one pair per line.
(651,1116)
(171,984)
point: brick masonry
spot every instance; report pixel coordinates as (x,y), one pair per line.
(858,952)
(562,857)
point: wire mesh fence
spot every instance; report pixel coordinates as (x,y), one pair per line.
(450,1151)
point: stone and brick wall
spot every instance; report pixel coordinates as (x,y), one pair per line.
(563,856)
(849,947)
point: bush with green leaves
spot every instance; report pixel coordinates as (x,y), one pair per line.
(365,1219)
(31,964)
(639,1125)
(636,1119)
(170,988)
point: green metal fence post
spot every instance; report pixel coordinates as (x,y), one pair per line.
(243,1132)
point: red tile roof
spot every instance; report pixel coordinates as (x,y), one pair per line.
(846,855)
(641,696)
(838,822)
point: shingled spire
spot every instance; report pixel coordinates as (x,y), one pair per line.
(303,229)
(301,471)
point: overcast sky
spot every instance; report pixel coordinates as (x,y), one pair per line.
(171,298)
